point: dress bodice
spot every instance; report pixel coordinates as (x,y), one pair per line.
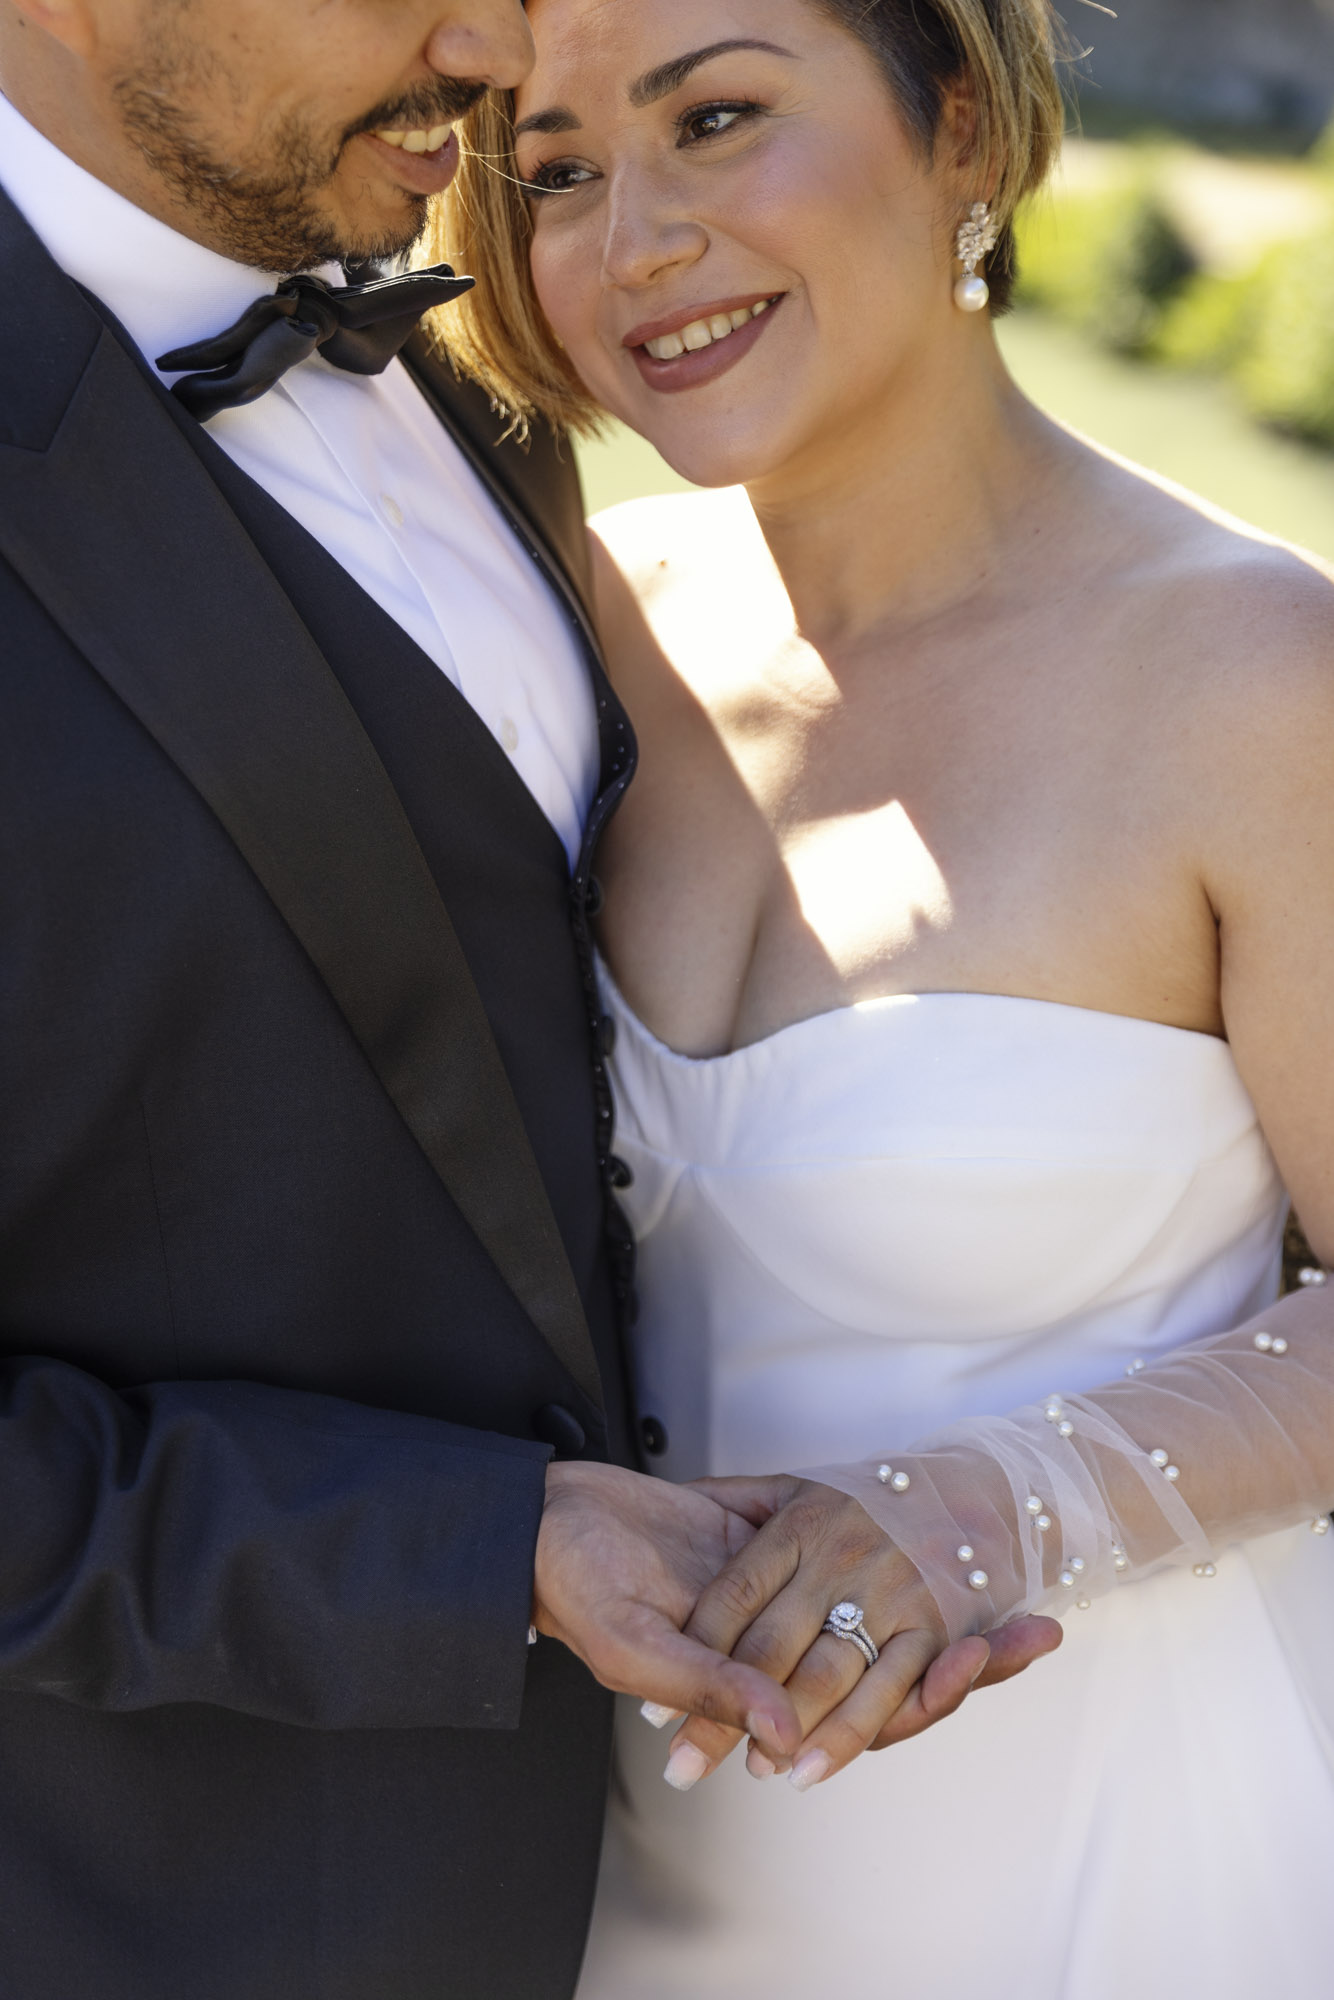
(868,1226)
(921,1208)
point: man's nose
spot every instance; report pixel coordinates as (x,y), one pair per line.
(486,39)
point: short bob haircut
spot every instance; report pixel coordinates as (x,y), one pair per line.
(1004,53)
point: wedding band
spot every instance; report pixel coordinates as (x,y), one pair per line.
(846,1621)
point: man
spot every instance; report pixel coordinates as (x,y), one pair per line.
(311,1287)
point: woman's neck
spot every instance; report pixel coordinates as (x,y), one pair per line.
(918,501)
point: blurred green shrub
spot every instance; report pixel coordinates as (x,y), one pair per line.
(1210,324)
(1285,370)
(1116,265)
(1110,263)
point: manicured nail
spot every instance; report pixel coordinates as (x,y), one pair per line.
(655,1713)
(685,1767)
(809,1770)
(758,1764)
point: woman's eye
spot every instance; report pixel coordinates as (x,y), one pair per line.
(559,177)
(710,121)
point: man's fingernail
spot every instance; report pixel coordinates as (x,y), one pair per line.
(654,1712)
(809,1770)
(758,1764)
(685,1767)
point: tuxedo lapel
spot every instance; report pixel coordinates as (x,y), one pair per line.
(114,524)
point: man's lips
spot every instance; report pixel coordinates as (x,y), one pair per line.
(693,369)
(420,173)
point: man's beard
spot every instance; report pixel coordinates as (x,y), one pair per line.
(267,212)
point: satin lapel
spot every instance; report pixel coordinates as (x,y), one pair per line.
(120,533)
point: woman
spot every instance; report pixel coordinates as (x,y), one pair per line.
(970,942)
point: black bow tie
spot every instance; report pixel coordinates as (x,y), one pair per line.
(358,327)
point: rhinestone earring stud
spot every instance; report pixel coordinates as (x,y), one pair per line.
(977,238)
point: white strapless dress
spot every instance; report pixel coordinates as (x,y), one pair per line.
(870,1225)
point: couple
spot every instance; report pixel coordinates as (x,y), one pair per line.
(961,1013)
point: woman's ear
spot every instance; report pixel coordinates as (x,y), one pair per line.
(959,144)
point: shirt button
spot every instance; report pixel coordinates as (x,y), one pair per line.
(652,1436)
(509,733)
(391,510)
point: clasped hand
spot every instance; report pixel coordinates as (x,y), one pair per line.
(709,1601)
(813,1548)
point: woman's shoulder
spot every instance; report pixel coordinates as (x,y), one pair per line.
(658,566)
(663,539)
(1225,611)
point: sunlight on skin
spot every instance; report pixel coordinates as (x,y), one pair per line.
(836,868)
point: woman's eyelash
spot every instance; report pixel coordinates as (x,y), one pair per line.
(737,107)
(731,108)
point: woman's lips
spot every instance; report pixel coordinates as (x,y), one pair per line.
(420,173)
(706,364)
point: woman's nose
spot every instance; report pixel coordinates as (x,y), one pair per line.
(648,233)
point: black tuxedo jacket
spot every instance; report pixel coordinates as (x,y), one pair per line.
(307,1262)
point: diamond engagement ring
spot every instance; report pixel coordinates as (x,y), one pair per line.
(845,1621)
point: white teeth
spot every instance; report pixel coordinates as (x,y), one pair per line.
(703,332)
(419,141)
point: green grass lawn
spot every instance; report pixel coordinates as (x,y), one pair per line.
(1185,427)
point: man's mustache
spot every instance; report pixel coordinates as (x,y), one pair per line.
(439,103)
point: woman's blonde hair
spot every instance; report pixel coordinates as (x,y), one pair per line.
(1005,53)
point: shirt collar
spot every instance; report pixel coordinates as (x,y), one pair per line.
(165,290)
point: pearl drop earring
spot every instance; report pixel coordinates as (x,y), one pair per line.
(977,238)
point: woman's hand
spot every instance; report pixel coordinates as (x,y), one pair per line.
(815,1548)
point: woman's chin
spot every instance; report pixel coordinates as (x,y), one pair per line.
(715,462)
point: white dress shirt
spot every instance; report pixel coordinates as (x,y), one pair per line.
(360,461)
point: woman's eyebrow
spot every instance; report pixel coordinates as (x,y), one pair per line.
(669,76)
(654,84)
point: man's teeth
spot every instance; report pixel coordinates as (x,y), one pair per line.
(703,332)
(423,140)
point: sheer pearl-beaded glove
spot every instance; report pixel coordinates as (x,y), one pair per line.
(1067,1499)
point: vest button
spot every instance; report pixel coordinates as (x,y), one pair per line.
(606,1035)
(555,1426)
(619,1175)
(593,897)
(652,1436)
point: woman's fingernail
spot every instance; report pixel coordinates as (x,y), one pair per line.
(809,1770)
(658,1715)
(685,1767)
(761,1726)
(758,1764)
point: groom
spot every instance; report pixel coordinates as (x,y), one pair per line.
(304,1287)
(311,1286)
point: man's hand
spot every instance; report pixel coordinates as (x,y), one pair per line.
(814,1547)
(621,1563)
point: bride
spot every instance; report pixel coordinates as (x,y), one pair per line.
(969,947)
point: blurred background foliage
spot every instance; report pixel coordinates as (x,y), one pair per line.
(1222,267)
(1176,297)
